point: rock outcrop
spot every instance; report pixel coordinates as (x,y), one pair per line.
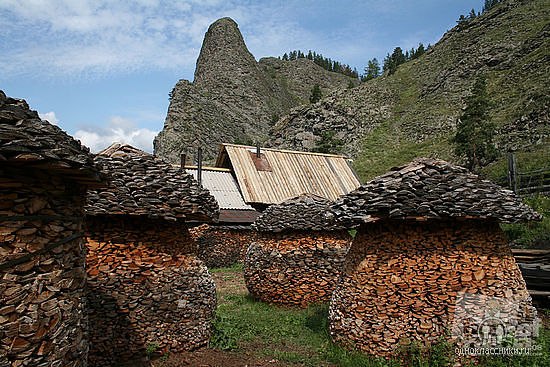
(392,118)
(234,98)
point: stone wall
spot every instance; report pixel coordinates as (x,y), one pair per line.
(419,280)
(146,290)
(42,278)
(296,268)
(221,246)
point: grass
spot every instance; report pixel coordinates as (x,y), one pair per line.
(300,337)
(533,234)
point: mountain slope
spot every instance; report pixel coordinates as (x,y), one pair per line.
(233,98)
(392,119)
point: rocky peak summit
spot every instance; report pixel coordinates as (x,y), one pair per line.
(223,42)
(234,98)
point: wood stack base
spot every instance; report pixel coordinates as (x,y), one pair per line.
(295,268)
(141,297)
(42,305)
(406,281)
(221,246)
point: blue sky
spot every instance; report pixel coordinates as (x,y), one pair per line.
(102,70)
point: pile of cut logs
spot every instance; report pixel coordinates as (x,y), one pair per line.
(220,246)
(140,297)
(42,277)
(430,188)
(143,185)
(402,280)
(166,237)
(295,268)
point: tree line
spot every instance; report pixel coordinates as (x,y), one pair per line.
(324,62)
(488,4)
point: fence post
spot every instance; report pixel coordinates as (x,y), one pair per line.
(512,172)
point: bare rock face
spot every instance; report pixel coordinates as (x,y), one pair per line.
(234,98)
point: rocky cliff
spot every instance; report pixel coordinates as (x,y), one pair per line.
(413,112)
(234,98)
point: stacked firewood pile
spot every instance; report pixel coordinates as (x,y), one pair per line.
(429,238)
(295,268)
(143,185)
(147,287)
(298,255)
(165,236)
(43,178)
(140,297)
(221,246)
(402,280)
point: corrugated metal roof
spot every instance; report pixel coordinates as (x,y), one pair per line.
(223,187)
(282,174)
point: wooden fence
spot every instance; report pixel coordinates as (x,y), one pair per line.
(529,182)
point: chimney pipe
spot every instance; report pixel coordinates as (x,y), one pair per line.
(199,165)
(183,159)
(258,149)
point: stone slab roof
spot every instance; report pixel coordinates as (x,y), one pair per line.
(143,185)
(27,142)
(305,212)
(430,188)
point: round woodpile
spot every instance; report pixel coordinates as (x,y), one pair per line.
(402,280)
(43,178)
(146,286)
(222,246)
(295,268)
(139,297)
(428,254)
(298,255)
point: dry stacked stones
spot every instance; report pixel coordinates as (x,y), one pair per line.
(298,255)
(429,258)
(147,287)
(221,246)
(44,174)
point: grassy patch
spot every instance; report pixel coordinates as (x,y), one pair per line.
(533,234)
(300,337)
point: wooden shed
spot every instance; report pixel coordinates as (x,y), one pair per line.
(147,286)
(44,175)
(270,176)
(298,255)
(427,260)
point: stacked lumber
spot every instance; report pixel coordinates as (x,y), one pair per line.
(535,268)
(295,268)
(166,237)
(29,143)
(221,246)
(403,279)
(430,188)
(146,186)
(139,296)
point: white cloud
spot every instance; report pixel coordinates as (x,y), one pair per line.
(50,117)
(119,130)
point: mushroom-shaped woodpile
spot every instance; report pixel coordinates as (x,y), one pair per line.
(298,255)
(147,286)
(428,260)
(44,174)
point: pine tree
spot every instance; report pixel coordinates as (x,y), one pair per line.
(391,62)
(475,132)
(315,94)
(372,70)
